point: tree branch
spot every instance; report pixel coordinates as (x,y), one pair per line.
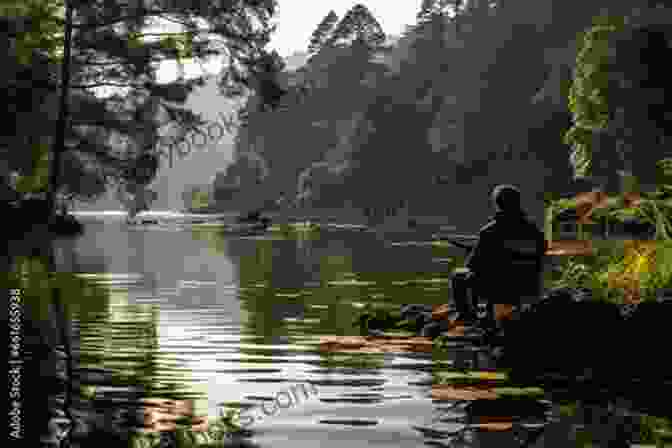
(105,84)
(116,20)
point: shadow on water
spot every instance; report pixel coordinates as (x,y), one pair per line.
(176,338)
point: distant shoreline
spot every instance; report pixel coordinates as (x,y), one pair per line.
(440,223)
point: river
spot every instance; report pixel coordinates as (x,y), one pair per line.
(186,312)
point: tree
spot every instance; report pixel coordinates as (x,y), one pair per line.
(135,198)
(303,131)
(111,47)
(618,97)
(323,32)
(358,24)
(382,158)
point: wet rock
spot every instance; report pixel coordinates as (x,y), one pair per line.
(410,311)
(435,329)
(564,333)
(417,315)
(645,334)
(421,320)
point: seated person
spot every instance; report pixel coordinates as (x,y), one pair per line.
(506,264)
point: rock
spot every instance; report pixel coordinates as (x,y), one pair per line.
(409,312)
(422,319)
(564,333)
(644,332)
(435,328)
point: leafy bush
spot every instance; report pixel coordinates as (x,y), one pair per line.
(621,271)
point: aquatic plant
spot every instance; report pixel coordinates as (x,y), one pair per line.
(654,430)
(213,434)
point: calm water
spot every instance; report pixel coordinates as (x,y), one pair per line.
(182,312)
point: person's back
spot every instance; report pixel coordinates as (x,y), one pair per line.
(507,263)
(508,259)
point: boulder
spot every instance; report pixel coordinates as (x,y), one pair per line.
(417,315)
(565,333)
(644,349)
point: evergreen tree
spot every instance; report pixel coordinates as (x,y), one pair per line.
(358,24)
(323,32)
(114,137)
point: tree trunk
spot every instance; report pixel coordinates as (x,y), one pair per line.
(59,140)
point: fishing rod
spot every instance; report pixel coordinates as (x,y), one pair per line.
(456,240)
(466,247)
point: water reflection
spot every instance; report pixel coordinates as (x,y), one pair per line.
(159,319)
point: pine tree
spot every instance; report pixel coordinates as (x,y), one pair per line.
(115,137)
(323,32)
(358,24)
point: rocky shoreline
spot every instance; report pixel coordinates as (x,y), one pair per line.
(566,334)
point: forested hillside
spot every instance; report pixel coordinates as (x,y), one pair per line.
(465,99)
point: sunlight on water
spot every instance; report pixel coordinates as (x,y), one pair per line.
(203,315)
(197,284)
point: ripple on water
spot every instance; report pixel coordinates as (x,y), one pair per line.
(352,400)
(358,382)
(349,422)
(345,371)
(242,371)
(263,380)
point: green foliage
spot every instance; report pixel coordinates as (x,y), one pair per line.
(218,433)
(37,178)
(589,92)
(617,94)
(620,268)
(654,430)
(577,274)
(200,199)
(664,176)
(41,30)
(439,80)
(108,138)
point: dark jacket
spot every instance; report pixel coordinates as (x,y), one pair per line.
(507,262)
